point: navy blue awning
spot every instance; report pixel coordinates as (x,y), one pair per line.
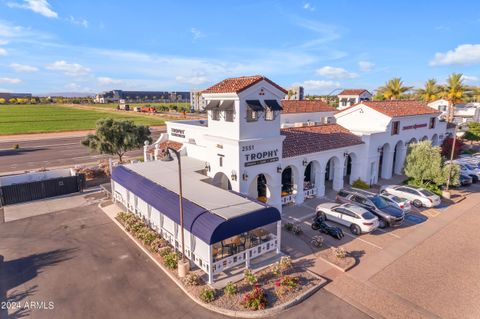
(255,105)
(273,105)
(203,224)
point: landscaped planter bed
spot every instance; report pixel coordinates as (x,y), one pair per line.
(268,279)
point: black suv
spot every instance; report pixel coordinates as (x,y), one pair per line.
(388,215)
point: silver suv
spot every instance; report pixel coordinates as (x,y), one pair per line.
(388,215)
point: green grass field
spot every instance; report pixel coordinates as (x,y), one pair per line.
(18,119)
(132,105)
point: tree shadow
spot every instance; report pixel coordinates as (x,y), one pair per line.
(14,273)
(13,152)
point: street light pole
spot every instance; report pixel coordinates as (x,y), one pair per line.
(451,158)
(183,268)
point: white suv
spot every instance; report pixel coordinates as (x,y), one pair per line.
(418,196)
(358,219)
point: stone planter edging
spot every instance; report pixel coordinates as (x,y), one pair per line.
(227,312)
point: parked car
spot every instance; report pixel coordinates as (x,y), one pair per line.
(358,219)
(418,196)
(323,227)
(402,203)
(465,180)
(467,169)
(388,215)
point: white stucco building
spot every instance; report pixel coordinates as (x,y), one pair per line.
(386,128)
(350,97)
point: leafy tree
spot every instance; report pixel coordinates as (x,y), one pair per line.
(424,164)
(447,147)
(454,92)
(430,92)
(116,137)
(454,173)
(2,100)
(393,89)
(473,132)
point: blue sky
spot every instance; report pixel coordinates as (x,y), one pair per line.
(91,46)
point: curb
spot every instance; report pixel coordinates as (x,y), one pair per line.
(336,266)
(231,313)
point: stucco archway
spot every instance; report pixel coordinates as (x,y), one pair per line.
(435,140)
(333,174)
(385,161)
(399,154)
(260,188)
(221,180)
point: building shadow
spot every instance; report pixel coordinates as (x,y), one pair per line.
(16,272)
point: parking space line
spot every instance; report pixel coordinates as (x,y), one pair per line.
(361,239)
(388,233)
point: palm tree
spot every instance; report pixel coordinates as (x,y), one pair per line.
(393,89)
(454,92)
(431,91)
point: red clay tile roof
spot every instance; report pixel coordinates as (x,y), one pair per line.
(237,85)
(352,92)
(397,108)
(175,145)
(312,139)
(306,106)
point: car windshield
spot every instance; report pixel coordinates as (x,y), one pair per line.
(368,215)
(426,192)
(379,202)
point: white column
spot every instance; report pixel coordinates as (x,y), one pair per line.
(300,196)
(275,199)
(320,182)
(210,265)
(279,236)
(387,164)
(355,172)
(402,154)
(247,259)
(338,177)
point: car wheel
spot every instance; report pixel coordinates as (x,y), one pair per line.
(417,203)
(315,226)
(321,216)
(355,229)
(382,223)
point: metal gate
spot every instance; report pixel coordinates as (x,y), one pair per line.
(18,193)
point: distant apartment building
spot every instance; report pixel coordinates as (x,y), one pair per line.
(7,95)
(197,101)
(350,97)
(295,93)
(142,96)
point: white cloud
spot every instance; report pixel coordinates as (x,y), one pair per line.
(104,80)
(38,6)
(197,34)
(318,84)
(307,6)
(470,78)
(73,69)
(77,87)
(10,31)
(463,54)
(78,21)
(3,52)
(23,68)
(3,42)
(335,73)
(10,80)
(365,66)
(324,32)
(193,80)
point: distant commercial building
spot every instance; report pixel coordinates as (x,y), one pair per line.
(462,112)
(142,96)
(197,101)
(295,93)
(350,97)
(8,96)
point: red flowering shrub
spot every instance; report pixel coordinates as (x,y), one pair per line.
(447,147)
(255,299)
(285,284)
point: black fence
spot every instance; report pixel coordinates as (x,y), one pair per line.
(18,193)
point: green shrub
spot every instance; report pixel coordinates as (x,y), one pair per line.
(165,251)
(230,289)
(285,284)
(285,263)
(339,252)
(255,299)
(157,244)
(171,260)
(250,278)
(192,279)
(16,146)
(207,295)
(360,184)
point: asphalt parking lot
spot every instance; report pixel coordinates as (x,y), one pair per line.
(78,264)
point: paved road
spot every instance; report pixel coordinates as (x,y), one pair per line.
(82,263)
(51,152)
